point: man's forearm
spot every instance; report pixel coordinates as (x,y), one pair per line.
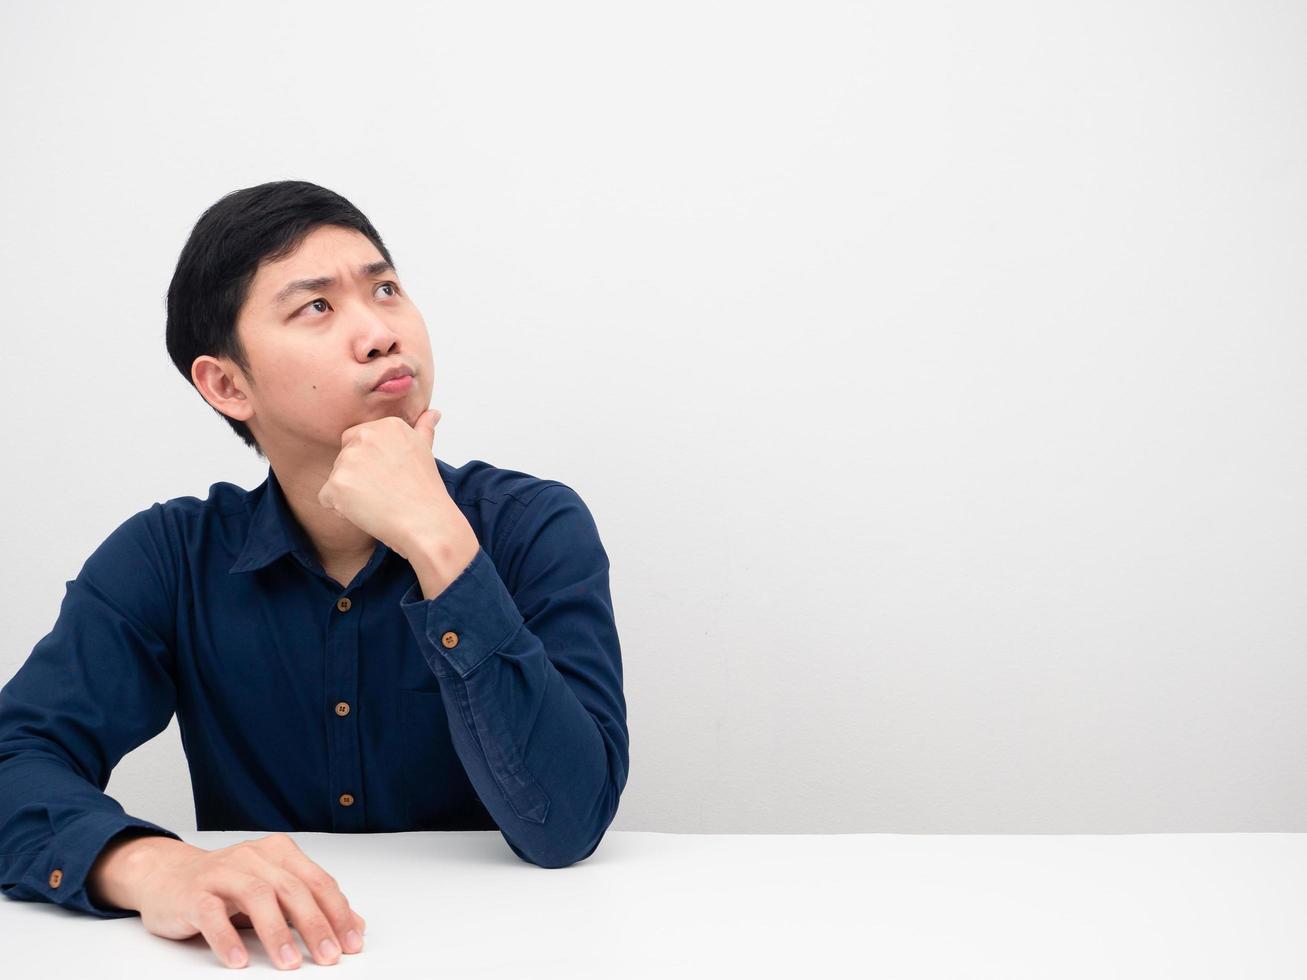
(117,872)
(437,564)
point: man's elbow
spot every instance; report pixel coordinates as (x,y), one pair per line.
(555,856)
(564,850)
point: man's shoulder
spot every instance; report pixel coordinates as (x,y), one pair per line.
(223,500)
(168,525)
(479,481)
(153,536)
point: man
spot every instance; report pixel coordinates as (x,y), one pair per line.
(369,641)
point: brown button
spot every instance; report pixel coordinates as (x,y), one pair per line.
(56,876)
(343,603)
(450,639)
(346,799)
(342,708)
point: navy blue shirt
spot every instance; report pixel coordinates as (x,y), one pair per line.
(309,704)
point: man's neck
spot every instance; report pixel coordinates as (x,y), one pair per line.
(336,540)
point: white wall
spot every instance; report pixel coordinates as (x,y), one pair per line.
(934,371)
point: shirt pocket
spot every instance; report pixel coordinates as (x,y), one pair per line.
(437,793)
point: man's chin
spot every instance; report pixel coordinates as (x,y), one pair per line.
(409,415)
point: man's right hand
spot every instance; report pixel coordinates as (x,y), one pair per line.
(267,883)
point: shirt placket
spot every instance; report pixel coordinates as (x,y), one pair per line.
(348,813)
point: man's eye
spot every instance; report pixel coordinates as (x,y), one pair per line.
(394,291)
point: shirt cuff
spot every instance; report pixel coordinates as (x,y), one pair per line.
(472,618)
(61,878)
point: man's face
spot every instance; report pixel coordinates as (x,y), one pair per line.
(318,350)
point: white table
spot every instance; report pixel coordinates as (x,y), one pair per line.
(460,904)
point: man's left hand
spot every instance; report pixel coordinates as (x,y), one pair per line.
(385,481)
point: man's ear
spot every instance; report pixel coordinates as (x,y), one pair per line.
(215,381)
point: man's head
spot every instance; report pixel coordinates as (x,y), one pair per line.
(287,357)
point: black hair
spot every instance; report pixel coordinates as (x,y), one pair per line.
(217,265)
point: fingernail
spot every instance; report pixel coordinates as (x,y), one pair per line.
(353,941)
(288,955)
(328,949)
(236,957)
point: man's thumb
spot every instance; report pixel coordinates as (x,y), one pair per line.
(427,423)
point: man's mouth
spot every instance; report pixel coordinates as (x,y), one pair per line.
(395,385)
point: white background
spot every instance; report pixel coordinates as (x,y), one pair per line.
(934,372)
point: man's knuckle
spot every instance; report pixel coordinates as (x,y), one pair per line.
(209,904)
(212,881)
(317,878)
(291,886)
(256,889)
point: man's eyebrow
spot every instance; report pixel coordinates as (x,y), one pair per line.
(325,282)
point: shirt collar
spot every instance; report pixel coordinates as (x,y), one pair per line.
(273,530)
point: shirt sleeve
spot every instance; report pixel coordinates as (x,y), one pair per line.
(531,679)
(96,686)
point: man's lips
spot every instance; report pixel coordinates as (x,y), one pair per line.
(399,370)
(395,385)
